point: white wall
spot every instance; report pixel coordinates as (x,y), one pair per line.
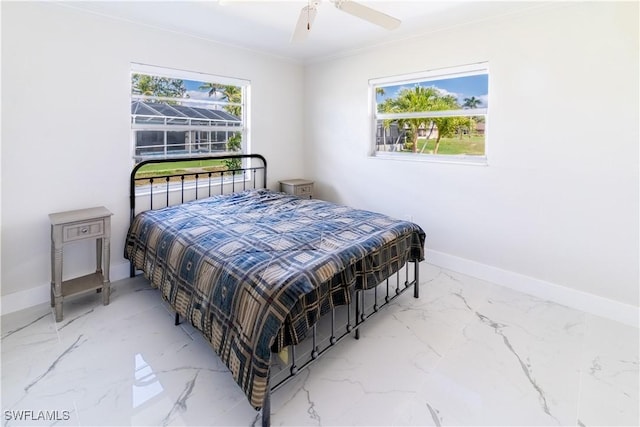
(558,202)
(66,132)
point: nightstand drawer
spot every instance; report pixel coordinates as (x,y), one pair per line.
(85,230)
(304,190)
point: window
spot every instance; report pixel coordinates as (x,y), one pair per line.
(433,115)
(178,113)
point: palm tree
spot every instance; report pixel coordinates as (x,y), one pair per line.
(447,126)
(411,100)
(471,103)
(420,99)
(234,142)
(230,93)
(213,88)
(233,94)
(154,86)
(143,84)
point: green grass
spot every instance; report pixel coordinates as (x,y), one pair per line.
(187,164)
(467,145)
(169,168)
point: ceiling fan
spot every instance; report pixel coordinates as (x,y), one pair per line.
(308,15)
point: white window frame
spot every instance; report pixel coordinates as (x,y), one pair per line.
(245,85)
(419,77)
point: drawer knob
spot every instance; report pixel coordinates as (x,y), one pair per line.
(84,230)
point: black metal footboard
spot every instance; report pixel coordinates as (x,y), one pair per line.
(336,326)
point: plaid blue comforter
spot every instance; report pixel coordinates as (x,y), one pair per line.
(255,270)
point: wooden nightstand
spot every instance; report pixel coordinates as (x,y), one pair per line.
(73,226)
(297,187)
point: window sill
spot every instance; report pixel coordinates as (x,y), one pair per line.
(432,158)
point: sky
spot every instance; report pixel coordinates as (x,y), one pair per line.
(194,92)
(460,87)
(196,97)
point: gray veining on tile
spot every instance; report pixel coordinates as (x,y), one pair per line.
(57,360)
(467,352)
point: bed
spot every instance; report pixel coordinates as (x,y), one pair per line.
(255,270)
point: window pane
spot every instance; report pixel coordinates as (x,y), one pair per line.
(390,136)
(176,142)
(457,135)
(149,143)
(435,95)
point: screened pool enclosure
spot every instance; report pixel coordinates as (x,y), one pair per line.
(164,129)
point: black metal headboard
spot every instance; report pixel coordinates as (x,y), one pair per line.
(179,185)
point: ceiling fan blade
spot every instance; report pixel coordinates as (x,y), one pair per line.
(305,21)
(364,12)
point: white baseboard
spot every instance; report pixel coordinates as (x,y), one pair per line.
(590,303)
(573,298)
(41,294)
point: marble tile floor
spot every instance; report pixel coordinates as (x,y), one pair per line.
(467,352)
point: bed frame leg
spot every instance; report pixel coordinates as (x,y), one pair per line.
(416,278)
(357,297)
(177,320)
(266,409)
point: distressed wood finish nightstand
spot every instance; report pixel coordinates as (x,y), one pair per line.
(297,187)
(73,226)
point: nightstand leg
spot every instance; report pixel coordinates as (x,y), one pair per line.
(98,255)
(106,260)
(99,261)
(57,278)
(53,271)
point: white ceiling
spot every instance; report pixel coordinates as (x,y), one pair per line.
(267,25)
